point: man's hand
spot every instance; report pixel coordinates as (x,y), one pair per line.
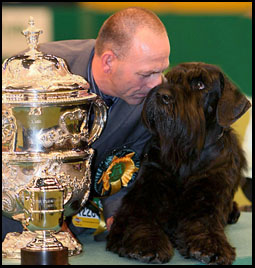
(64,228)
(109,223)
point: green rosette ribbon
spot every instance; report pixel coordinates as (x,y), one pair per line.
(118,170)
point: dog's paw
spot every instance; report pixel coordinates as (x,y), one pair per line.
(210,250)
(152,256)
(149,252)
(148,247)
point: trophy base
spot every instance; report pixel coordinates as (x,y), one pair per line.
(45,257)
(14,242)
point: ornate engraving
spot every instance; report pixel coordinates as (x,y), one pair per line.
(9,185)
(9,126)
(60,135)
(8,202)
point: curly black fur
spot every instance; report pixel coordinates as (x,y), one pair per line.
(183,195)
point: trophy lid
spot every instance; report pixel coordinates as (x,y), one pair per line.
(38,77)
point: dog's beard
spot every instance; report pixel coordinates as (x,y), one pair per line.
(181,135)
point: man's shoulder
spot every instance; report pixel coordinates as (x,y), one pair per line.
(76,53)
(68,47)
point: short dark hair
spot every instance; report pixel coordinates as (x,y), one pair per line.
(117,31)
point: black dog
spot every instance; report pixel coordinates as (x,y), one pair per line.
(183,195)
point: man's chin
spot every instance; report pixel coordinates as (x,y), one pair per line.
(135,101)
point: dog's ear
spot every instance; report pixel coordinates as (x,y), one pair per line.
(232,103)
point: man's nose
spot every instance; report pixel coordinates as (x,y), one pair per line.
(155,81)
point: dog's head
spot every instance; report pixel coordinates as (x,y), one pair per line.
(195,98)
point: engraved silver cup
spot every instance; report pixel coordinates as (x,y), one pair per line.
(47,129)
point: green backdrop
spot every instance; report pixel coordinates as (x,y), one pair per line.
(222,40)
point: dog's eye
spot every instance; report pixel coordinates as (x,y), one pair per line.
(200,85)
(197,84)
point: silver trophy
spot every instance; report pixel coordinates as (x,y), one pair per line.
(47,130)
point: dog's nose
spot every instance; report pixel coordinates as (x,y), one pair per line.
(164,95)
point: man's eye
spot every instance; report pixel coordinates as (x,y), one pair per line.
(145,75)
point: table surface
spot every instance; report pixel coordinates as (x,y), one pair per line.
(94,253)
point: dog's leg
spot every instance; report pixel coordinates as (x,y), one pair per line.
(234,215)
(136,231)
(142,241)
(204,211)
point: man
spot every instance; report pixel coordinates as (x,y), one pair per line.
(122,65)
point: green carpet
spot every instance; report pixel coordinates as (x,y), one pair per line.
(94,253)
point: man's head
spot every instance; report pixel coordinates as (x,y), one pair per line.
(132,50)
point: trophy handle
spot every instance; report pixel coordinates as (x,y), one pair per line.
(67,193)
(100,116)
(19,198)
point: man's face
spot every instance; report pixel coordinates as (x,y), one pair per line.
(141,69)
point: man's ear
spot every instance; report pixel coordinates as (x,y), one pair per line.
(107,60)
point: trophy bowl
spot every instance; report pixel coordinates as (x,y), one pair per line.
(49,121)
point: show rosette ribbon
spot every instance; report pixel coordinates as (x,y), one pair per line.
(117,171)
